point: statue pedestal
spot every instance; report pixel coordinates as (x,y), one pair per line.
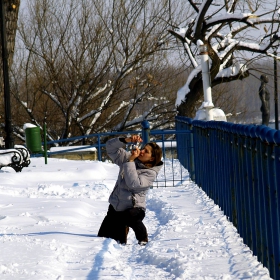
(218,115)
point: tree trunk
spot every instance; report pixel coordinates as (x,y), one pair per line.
(11,9)
(193,99)
(11,12)
(192,102)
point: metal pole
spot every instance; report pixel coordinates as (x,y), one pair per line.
(9,142)
(276,91)
(45,143)
(145,131)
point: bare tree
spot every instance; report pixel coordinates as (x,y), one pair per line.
(92,66)
(237,33)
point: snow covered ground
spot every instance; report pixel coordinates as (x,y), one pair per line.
(50,215)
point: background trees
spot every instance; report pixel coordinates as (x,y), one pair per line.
(92,66)
(237,33)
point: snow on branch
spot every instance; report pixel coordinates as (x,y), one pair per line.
(53,97)
(188,50)
(98,112)
(231,71)
(226,31)
(183,91)
(230,17)
(123,104)
(101,89)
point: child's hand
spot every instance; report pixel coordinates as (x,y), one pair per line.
(134,154)
(133,139)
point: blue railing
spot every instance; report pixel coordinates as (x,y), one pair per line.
(165,138)
(98,143)
(238,166)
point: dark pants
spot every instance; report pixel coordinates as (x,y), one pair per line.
(115,224)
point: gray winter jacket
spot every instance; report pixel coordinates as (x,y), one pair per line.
(134,179)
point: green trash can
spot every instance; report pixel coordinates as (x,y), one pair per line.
(33,139)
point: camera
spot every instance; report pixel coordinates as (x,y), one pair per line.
(137,145)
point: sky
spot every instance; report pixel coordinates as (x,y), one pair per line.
(50,215)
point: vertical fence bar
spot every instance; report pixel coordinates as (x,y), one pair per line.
(207,162)
(245,197)
(164,155)
(267,201)
(197,167)
(211,162)
(272,214)
(220,168)
(250,219)
(253,190)
(262,198)
(145,131)
(213,138)
(200,162)
(252,186)
(228,166)
(234,195)
(276,195)
(45,143)
(257,180)
(239,182)
(99,148)
(191,152)
(185,145)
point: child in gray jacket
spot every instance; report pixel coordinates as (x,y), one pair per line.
(138,170)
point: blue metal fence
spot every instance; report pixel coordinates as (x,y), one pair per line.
(165,138)
(238,166)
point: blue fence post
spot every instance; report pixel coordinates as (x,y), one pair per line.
(234,174)
(242,181)
(221,166)
(99,148)
(257,197)
(238,176)
(266,147)
(275,176)
(191,151)
(145,131)
(262,198)
(185,145)
(196,159)
(249,191)
(212,157)
(199,151)
(228,169)
(45,143)
(267,137)
(253,189)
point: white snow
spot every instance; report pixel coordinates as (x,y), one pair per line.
(28,125)
(183,91)
(50,215)
(218,114)
(73,149)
